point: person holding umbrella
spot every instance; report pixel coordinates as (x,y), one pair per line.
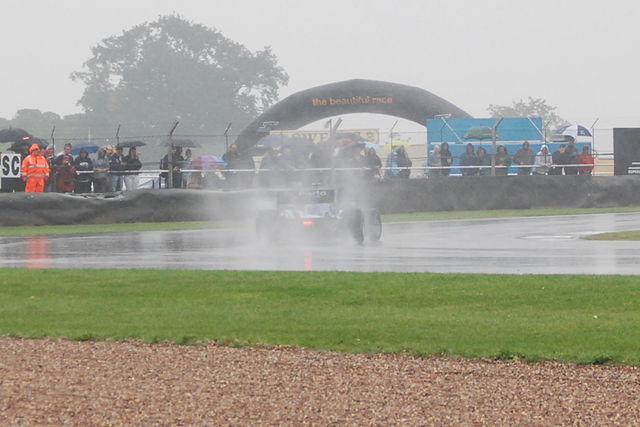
(571,153)
(35,170)
(188,160)
(84,164)
(132,163)
(176,160)
(116,166)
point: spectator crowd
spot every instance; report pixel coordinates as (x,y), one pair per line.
(298,161)
(475,161)
(43,170)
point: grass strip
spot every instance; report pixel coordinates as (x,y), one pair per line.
(502,213)
(583,319)
(198,225)
(112,228)
(622,235)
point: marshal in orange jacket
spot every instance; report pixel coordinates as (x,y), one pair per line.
(35,170)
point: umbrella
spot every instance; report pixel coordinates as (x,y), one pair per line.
(131,144)
(23,145)
(353,145)
(179,143)
(207,162)
(369,144)
(87,146)
(479,132)
(14,135)
(394,144)
(575,131)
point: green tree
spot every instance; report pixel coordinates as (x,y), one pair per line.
(156,72)
(533,107)
(36,122)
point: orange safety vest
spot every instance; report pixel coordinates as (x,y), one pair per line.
(35,166)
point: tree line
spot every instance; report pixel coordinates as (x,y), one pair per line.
(174,69)
(161,71)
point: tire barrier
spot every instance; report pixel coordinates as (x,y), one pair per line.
(397,196)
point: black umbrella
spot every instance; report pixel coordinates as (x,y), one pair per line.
(14,135)
(130,144)
(179,143)
(23,146)
(353,145)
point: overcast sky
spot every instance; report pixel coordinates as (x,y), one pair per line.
(581,56)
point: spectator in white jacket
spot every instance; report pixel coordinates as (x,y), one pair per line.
(543,161)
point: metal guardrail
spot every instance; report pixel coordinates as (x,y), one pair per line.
(329,169)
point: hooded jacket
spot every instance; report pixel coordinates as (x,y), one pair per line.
(34,165)
(543,161)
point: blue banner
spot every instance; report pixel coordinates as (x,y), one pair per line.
(462,131)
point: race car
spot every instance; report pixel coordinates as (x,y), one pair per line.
(315,214)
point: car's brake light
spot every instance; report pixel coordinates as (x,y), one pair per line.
(307,222)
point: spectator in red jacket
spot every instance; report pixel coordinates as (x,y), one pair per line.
(65,174)
(586,159)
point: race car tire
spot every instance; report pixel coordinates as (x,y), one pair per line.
(355,222)
(372,225)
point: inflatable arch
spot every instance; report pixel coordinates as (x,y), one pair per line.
(347,97)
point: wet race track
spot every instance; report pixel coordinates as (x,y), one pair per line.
(549,245)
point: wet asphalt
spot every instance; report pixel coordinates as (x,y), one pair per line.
(541,245)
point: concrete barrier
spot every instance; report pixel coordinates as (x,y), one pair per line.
(444,194)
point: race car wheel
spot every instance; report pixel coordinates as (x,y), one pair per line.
(372,225)
(355,222)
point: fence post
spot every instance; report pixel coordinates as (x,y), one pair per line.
(170,156)
(493,146)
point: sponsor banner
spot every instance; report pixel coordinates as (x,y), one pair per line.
(9,165)
(352,100)
(317,136)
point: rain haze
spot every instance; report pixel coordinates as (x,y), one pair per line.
(580,56)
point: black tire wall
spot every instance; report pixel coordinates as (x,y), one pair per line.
(445,194)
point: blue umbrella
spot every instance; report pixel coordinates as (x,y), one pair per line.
(87,146)
(369,144)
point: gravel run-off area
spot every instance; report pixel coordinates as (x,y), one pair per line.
(56,381)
